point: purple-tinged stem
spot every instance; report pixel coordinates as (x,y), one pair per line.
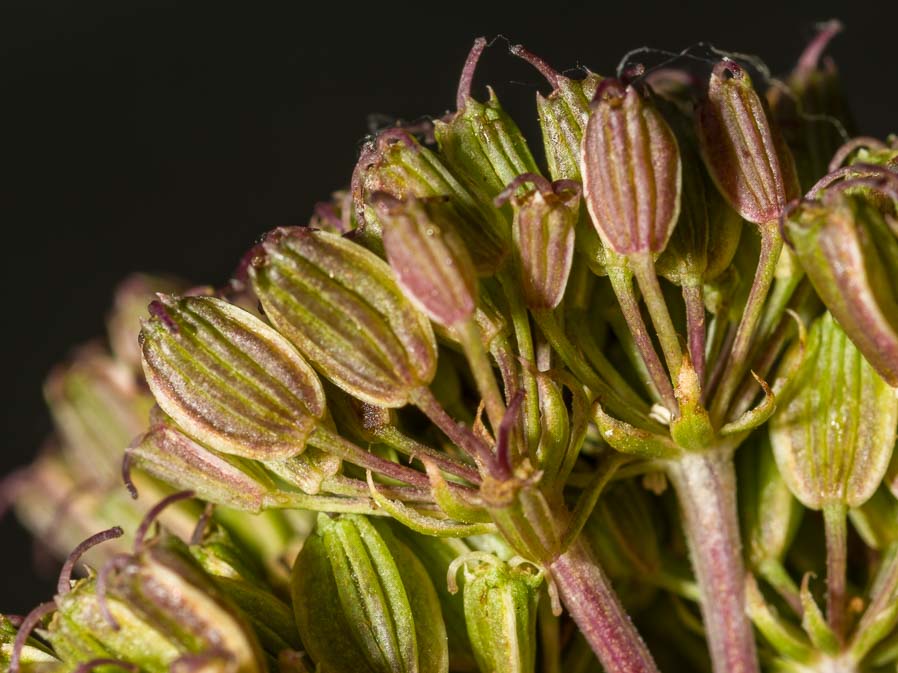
(695,328)
(836,530)
(588,596)
(460,435)
(623,289)
(706,488)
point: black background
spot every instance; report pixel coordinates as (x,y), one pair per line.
(154,136)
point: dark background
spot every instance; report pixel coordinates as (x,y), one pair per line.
(138,135)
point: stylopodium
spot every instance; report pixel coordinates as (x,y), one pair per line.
(515,401)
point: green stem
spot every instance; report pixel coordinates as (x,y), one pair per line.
(623,288)
(776,576)
(586,503)
(521,322)
(836,530)
(482,369)
(607,382)
(644,269)
(737,359)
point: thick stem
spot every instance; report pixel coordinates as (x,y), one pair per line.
(706,488)
(836,530)
(587,594)
(737,359)
(623,289)
(695,328)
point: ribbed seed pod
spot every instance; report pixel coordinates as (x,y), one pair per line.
(339,304)
(364,603)
(482,144)
(834,428)
(500,610)
(396,164)
(428,257)
(851,257)
(631,171)
(165,608)
(543,230)
(744,153)
(228,379)
(562,117)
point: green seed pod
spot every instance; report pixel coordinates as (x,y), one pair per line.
(356,611)
(480,142)
(631,171)
(156,609)
(165,585)
(834,428)
(545,216)
(98,409)
(891,479)
(80,631)
(437,554)
(500,610)
(396,164)
(176,459)
(428,257)
(129,306)
(744,153)
(562,115)
(234,573)
(339,304)
(851,257)
(228,379)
